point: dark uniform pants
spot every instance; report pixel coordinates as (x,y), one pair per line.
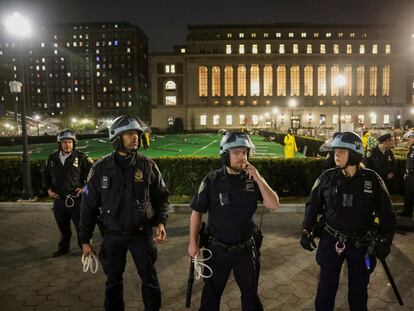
(246,273)
(409,193)
(331,265)
(112,256)
(63,216)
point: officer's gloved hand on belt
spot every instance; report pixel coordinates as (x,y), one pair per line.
(307,241)
(382,248)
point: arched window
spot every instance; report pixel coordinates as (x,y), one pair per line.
(170,86)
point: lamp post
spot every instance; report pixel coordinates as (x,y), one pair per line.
(275,111)
(339,82)
(19,28)
(37,118)
(292,104)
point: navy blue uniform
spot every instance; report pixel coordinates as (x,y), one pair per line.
(383,163)
(126,200)
(64,179)
(348,206)
(231,202)
(409,183)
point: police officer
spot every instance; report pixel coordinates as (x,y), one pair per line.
(341,209)
(127,197)
(409,178)
(63,178)
(381,160)
(229,196)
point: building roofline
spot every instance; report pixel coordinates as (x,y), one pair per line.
(288,25)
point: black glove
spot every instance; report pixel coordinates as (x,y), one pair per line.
(307,241)
(382,248)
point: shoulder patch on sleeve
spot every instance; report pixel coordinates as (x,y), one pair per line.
(202,187)
(316,184)
(90,160)
(91,173)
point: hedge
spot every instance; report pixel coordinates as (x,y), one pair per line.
(289,177)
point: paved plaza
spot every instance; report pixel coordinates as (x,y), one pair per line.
(32,280)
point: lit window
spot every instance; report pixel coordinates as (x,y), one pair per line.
(215,83)
(295,49)
(242,119)
(241,48)
(336,48)
(253,35)
(203,120)
(216,119)
(361,49)
(228,81)
(352,34)
(241,35)
(38,91)
(281,48)
(322,49)
(254,49)
(322,80)
(303,34)
(57,105)
(255,119)
(42,45)
(254,81)
(43,60)
(361,118)
(167,68)
(328,34)
(129,104)
(229,35)
(340,34)
(309,48)
(386,80)
(170,85)
(202,81)
(278,34)
(170,121)
(361,80)
(387,49)
(281,80)
(334,85)
(335,119)
(268,80)
(315,34)
(308,91)
(228,48)
(374,49)
(349,49)
(182,50)
(348,80)
(55,51)
(241,80)
(373,117)
(229,119)
(268,49)
(170,100)
(291,34)
(172,68)
(266,35)
(373,80)
(294,80)
(386,119)
(128,50)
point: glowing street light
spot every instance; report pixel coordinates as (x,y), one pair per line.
(19,28)
(339,83)
(74,120)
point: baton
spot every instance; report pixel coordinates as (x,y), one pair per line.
(390,278)
(190,283)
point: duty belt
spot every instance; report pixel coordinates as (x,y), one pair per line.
(343,237)
(231,248)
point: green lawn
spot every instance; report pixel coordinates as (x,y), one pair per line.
(161,145)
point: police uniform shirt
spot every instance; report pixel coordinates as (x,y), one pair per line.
(348,203)
(230,201)
(64,178)
(382,163)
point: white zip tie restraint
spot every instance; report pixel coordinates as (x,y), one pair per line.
(69,201)
(199,264)
(90,262)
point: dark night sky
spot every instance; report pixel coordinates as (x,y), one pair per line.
(165,21)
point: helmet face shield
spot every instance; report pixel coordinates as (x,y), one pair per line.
(66,134)
(124,124)
(349,141)
(234,140)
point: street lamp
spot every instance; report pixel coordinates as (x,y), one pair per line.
(292,104)
(275,112)
(37,118)
(339,83)
(19,28)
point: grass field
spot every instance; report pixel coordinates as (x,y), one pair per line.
(161,145)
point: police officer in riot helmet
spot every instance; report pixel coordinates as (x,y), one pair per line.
(409,178)
(229,196)
(127,197)
(63,178)
(381,159)
(346,206)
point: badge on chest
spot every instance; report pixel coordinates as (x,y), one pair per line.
(76,162)
(106,182)
(249,185)
(368,186)
(138,176)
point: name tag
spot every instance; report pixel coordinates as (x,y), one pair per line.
(105,182)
